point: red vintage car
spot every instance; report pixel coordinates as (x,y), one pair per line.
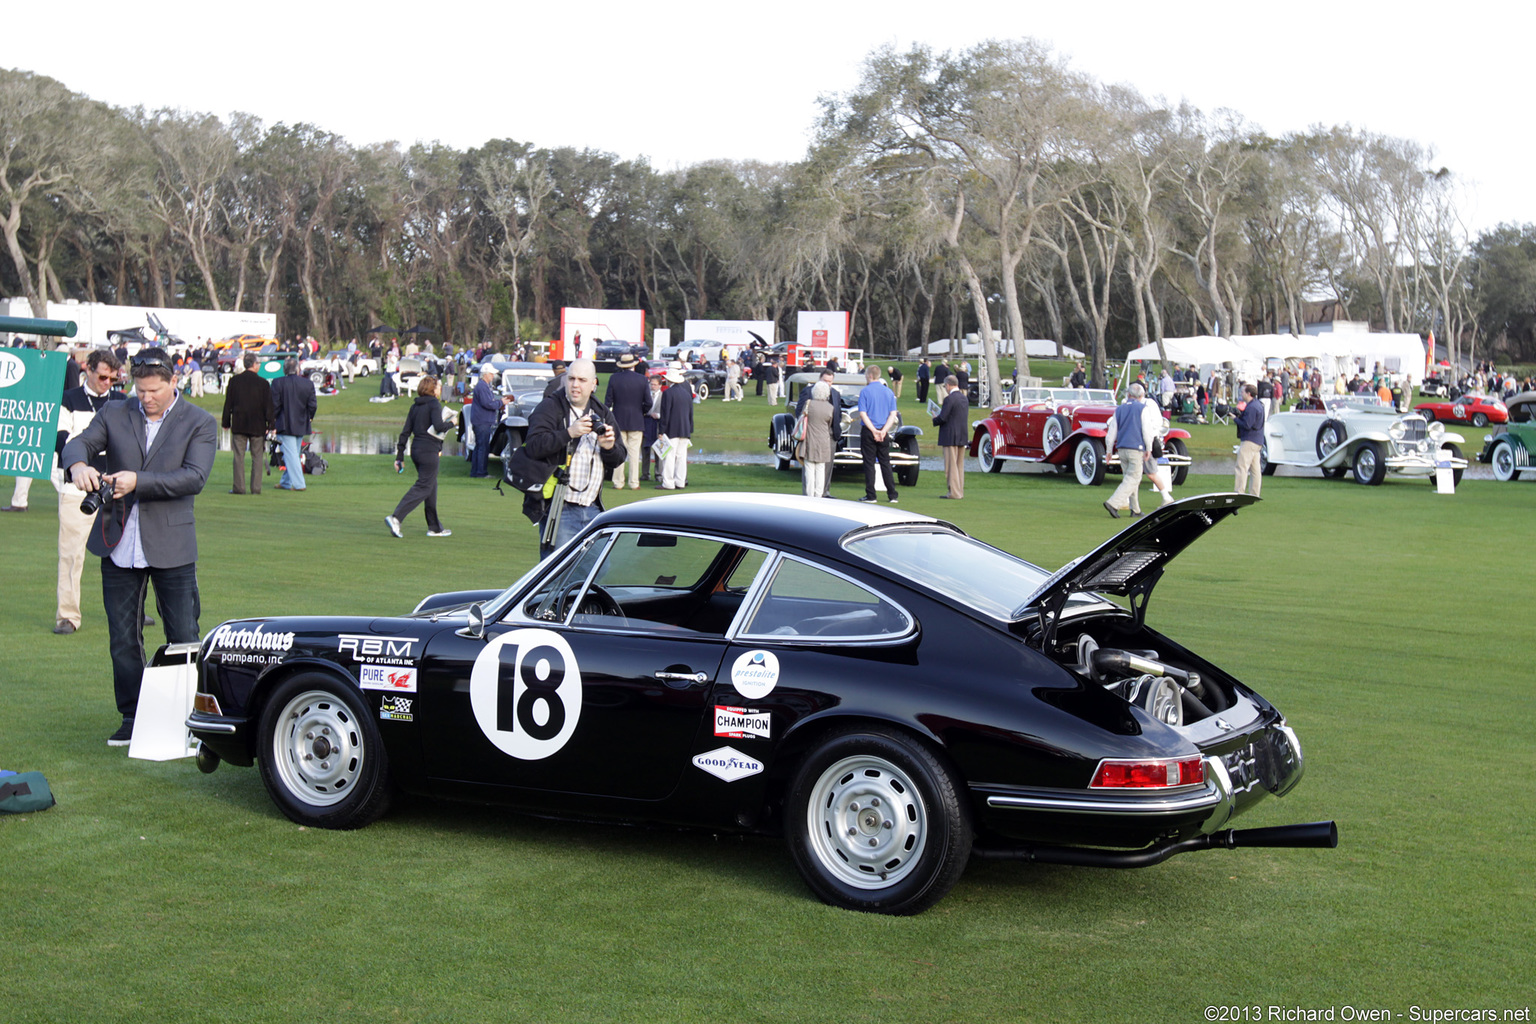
(1478,410)
(1063,427)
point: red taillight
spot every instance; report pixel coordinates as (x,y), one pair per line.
(1162,774)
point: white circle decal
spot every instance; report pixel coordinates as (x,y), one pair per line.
(525,690)
(755,674)
(12,369)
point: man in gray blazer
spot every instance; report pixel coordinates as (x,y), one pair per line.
(159,451)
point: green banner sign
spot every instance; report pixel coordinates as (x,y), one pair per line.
(31,385)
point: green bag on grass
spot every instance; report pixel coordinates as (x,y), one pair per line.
(24,792)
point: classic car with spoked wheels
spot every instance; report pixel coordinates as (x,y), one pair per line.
(905,460)
(1478,410)
(888,694)
(1361,437)
(1064,428)
(1511,450)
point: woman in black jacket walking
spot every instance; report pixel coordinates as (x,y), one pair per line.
(425,426)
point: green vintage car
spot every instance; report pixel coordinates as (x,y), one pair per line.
(1511,450)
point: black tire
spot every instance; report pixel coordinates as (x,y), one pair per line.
(781,444)
(322,759)
(363,371)
(1456,474)
(1176,446)
(1502,460)
(1370,464)
(1266,468)
(986,454)
(317,377)
(840,803)
(1329,436)
(1479,419)
(907,475)
(1088,462)
(1429,414)
(1056,430)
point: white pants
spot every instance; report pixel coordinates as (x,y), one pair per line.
(1130,479)
(633,440)
(674,468)
(813,478)
(19,492)
(773,394)
(74,527)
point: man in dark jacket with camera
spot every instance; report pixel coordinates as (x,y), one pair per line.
(159,451)
(572,433)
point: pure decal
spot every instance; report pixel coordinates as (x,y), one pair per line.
(395,708)
(525,691)
(728,764)
(755,674)
(387,677)
(740,723)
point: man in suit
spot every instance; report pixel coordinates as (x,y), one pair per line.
(628,400)
(293,407)
(953,421)
(248,416)
(159,452)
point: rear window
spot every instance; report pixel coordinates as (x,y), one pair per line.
(966,571)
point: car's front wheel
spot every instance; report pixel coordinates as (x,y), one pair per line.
(1370,465)
(875,821)
(907,475)
(1456,474)
(1088,462)
(322,759)
(1176,447)
(986,454)
(1504,461)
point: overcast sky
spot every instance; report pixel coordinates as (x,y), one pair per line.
(680,83)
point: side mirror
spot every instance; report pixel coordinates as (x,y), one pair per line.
(476,621)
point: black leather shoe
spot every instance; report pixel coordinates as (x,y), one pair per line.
(14,508)
(1113,512)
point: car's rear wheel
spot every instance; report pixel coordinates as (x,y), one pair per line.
(1479,419)
(1088,462)
(210,380)
(907,475)
(702,391)
(986,454)
(875,822)
(781,450)
(1177,447)
(1502,461)
(317,377)
(322,759)
(1370,465)
(1266,468)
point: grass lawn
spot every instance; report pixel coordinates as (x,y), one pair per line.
(1386,622)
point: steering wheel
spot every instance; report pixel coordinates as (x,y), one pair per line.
(596,601)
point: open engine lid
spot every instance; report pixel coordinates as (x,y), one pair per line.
(1131,562)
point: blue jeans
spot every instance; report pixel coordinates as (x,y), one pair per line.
(479,459)
(293,462)
(122,595)
(572,521)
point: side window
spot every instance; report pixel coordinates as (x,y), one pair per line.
(806,601)
(652,582)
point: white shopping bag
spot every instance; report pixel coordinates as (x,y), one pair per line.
(165,700)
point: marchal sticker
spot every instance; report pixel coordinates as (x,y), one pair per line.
(755,674)
(525,690)
(740,723)
(387,677)
(728,763)
(395,709)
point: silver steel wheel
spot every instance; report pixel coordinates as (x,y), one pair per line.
(986,454)
(866,822)
(317,748)
(1503,461)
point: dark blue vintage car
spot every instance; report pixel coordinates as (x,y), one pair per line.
(889,694)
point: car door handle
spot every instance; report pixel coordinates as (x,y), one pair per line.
(683,677)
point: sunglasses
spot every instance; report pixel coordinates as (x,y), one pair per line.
(106,376)
(149,362)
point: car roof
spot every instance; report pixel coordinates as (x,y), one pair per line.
(784,520)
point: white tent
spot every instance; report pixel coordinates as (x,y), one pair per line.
(1201,351)
(1343,352)
(1035,348)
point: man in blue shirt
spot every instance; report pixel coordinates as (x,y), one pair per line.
(1250,441)
(877,418)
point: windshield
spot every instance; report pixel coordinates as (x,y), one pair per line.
(967,571)
(524,382)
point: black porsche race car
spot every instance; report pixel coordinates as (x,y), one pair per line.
(886,692)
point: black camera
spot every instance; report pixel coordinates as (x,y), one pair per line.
(93,501)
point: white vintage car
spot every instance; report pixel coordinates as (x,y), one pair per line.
(1363,437)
